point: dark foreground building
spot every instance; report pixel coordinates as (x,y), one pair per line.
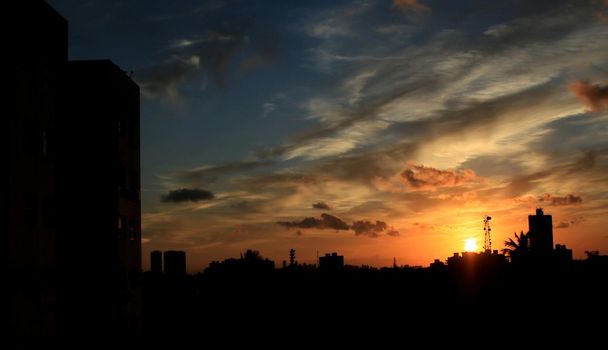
(34,66)
(71,238)
(98,184)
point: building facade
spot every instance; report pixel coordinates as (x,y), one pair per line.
(98,186)
(540,228)
(36,40)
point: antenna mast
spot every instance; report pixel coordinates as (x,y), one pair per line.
(487,242)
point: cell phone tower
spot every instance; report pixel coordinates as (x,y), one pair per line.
(487,242)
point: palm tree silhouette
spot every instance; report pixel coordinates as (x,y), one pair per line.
(518,248)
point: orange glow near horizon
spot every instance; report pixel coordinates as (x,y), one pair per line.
(470,245)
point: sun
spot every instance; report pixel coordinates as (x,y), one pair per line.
(470,245)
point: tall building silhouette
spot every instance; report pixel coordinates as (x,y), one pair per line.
(175,262)
(71,243)
(98,186)
(540,227)
(156,261)
(36,37)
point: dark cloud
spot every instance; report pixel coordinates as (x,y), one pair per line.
(368,228)
(392,232)
(326,221)
(602,13)
(164,78)
(321,205)
(210,53)
(561,201)
(419,177)
(187,195)
(567,223)
(593,96)
(411,5)
(563,224)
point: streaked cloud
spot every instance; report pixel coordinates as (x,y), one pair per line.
(557,200)
(419,177)
(187,195)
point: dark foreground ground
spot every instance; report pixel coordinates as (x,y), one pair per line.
(534,302)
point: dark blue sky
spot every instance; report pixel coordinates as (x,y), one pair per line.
(409,119)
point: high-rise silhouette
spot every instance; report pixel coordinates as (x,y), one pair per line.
(36,39)
(98,184)
(541,234)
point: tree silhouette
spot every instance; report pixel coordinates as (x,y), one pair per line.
(252,255)
(518,248)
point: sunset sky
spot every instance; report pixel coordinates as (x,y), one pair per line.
(378,129)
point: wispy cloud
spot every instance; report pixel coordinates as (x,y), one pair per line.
(419,177)
(209,55)
(411,5)
(164,79)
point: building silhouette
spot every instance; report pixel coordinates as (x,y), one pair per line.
(98,183)
(175,262)
(73,238)
(331,262)
(541,234)
(37,40)
(156,261)
(562,253)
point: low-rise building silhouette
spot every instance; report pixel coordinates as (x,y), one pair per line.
(331,262)
(562,253)
(175,262)
(156,261)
